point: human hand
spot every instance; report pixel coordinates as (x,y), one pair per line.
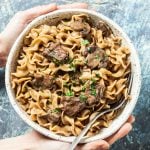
(8,37)
(20,21)
(45,143)
(36,141)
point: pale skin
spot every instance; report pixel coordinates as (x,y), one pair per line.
(34,140)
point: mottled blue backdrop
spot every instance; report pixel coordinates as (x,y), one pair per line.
(134,17)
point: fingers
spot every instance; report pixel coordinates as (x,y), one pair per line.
(123,131)
(96,145)
(34,12)
(2,61)
(131,119)
(74,5)
(29,14)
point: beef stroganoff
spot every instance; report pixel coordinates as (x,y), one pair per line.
(67,72)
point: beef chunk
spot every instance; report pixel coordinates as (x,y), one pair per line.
(42,82)
(53,117)
(89,49)
(77,25)
(106,30)
(97,59)
(58,54)
(82,26)
(53,45)
(72,105)
(93,97)
(101,90)
(91,100)
(85,31)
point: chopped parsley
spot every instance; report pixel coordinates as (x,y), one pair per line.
(85,42)
(93,81)
(69,93)
(73,67)
(93,92)
(97,57)
(83,88)
(56,61)
(105,56)
(97,75)
(70,61)
(56,110)
(83,98)
(86,61)
(92,87)
(65,84)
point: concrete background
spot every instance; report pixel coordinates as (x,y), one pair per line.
(134,17)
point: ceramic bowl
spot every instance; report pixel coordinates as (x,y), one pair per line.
(53,18)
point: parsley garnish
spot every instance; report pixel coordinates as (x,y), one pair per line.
(97,57)
(85,42)
(97,75)
(83,98)
(70,61)
(69,93)
(65,84)
(83,88)
(93,92)
(92,87)
(86,62)
(73,67)
(56,110)
(106,56)
(93,81)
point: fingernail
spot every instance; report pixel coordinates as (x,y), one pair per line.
(133,119)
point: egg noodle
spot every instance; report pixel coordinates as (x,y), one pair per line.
(67,72)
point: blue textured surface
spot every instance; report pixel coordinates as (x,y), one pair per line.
(134,17)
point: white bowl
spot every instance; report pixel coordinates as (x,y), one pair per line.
(52,18)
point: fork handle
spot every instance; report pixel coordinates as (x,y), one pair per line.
(84,131)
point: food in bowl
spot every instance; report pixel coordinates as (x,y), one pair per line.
(67,72)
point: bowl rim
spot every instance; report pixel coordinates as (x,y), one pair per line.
(36,126)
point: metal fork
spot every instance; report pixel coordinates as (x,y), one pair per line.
(115,106)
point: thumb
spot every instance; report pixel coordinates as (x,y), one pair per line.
(29,14)
(99,144)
